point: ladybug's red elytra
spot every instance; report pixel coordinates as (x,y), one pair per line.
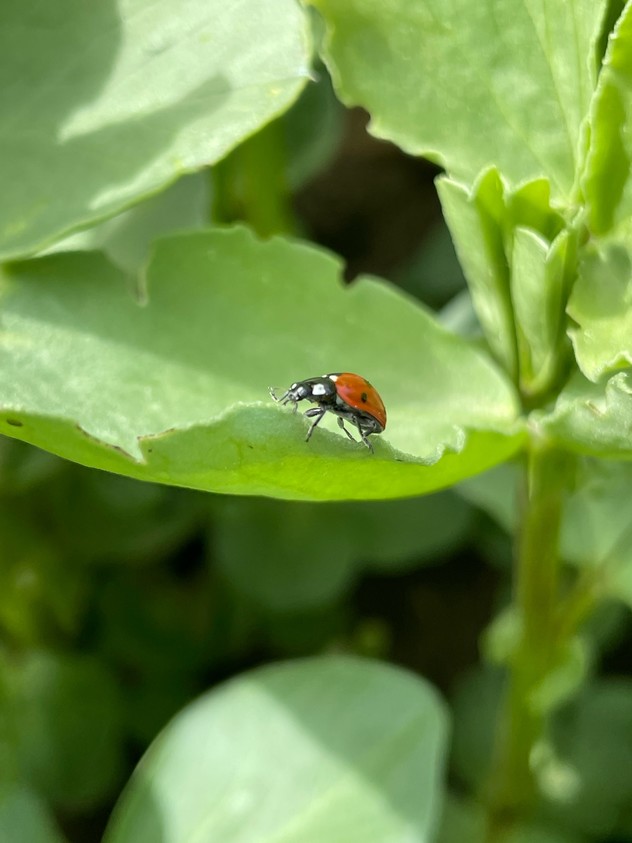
(348,396)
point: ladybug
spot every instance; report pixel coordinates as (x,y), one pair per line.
(348,396)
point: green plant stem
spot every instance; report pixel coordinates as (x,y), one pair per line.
(250,185)
(512,786)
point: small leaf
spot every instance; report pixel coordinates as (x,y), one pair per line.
(518,278)
(175,390)
(601,305)
(607,184)
(474,218)
(363,747)
(538,292)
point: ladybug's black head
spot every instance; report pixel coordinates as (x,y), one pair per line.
(318,390)
(314,389)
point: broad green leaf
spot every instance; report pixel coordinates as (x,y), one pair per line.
(105,104)
(360,746)
(67,723)
(601,305)
(469,85)
(607,184)
(174,389)
(288,556)
(24,817)
(592,418)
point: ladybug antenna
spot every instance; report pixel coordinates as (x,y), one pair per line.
(283,399)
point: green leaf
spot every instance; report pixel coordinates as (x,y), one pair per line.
(607,185)
(110,103)
(175,390)
(474,218)
(518,259)
(274,552)
(471,85)
(67,723)
(592,418)
(601,305)
(362,754)
(24,818)
(538,292)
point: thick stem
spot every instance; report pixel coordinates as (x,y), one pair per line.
(512,786)
(250,185)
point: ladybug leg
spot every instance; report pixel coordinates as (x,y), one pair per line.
(342,425)
(315,413)
(363,437)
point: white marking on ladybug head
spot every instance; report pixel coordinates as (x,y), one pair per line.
(319,389)
(333,378)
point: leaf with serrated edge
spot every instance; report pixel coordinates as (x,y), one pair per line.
(175,390)
(592,419)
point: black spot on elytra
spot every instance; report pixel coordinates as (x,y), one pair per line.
(363,398)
